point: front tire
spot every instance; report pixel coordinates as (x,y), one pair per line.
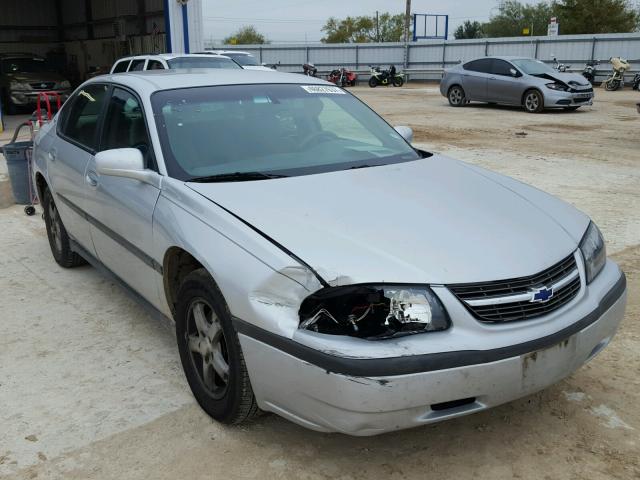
(373,82)
(210,351)
(398,81)
(456,96)
(57,234)
(612,85)
(533,101)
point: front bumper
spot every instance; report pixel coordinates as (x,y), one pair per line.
(556,98)
(30,97)
(360,396)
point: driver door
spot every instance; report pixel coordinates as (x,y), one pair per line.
(121,209)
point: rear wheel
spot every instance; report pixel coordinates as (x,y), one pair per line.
(210,351)
(533,101)
(57,234)
(373,82)
(456,96)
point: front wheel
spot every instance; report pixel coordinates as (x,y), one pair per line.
(210,351)
(612,85)
(373,82)
(533,101)
(456,96)
(398,81)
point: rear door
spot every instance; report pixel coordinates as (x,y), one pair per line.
(121,209)
(503,87)
(475,77)
(69,155)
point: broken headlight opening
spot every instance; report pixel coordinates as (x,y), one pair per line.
(373,312)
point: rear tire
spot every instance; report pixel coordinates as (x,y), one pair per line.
(210,351)
(57,234)
(533,101)
(456,96)
(373,82)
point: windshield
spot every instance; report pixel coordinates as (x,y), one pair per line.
(24,65)
(202,62)
(271,129)
(243,59)
(533,67)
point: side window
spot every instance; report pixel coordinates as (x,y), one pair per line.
(124,125)
(155,65)
(482,65)
(121,66)
(500,67)
(83,113)
(137,65)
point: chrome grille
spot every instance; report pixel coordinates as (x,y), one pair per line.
(43,85)
(512,300)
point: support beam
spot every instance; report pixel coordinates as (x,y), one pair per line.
(142,20)
(59,20)
(88,16)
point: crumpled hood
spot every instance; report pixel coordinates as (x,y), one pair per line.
(36,77)
(435,220)
(571,79)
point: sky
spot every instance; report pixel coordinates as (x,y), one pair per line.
(299,21)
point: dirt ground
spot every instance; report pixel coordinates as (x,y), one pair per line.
(91,386)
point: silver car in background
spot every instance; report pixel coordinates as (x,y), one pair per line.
(518,81)
(317,265)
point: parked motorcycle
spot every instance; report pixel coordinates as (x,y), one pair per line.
(616,79)
(310,70)
(343,77)
(636,82)
(561,67)
(386,77)
(589,71)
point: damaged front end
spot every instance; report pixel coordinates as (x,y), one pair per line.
(373,312)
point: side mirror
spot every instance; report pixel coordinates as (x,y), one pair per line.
(123,162)
(405,132)
(514,72)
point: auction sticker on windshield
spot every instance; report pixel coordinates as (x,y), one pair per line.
(322,89)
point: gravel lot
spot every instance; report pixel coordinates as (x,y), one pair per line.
(92,387)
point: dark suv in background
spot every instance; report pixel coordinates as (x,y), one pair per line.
(22,76)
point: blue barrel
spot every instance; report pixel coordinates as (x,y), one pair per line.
(17,163)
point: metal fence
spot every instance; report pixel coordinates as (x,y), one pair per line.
(427,59)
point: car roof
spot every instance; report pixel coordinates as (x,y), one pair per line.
(168,56)
(225,52)
(147,82)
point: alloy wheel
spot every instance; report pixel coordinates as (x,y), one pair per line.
(456,96)
(208,348)
(532,102)
(55,227)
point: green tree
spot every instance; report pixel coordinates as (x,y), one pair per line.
(596,16)
(363,29)
(247,35)
(469,29)
(513,17)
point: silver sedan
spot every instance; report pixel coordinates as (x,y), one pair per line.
(525,82)
(316,264)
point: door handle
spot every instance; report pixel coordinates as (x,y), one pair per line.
(92,178)
(53,154)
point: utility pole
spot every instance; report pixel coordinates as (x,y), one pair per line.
(377,27)
(407,22)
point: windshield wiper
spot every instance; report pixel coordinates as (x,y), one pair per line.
(236,177)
